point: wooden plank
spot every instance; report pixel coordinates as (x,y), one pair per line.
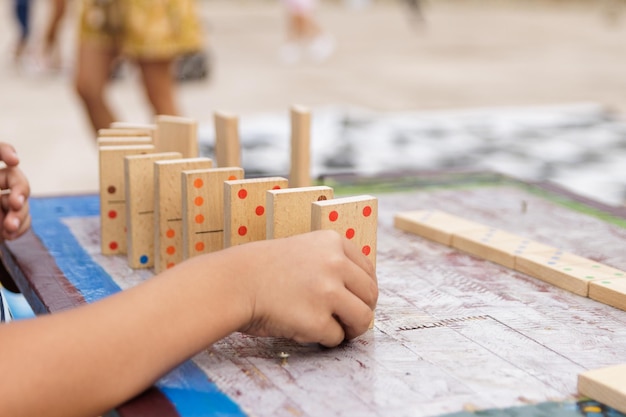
(355,218)
(168,211)
(244,208)
(434,225)
(177,134)
(139,178)
(203,208)
(605,385)
(113,195)
(227,144)
(300,170)
(123,140)
(289,210)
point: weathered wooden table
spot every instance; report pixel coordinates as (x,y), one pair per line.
(452,333)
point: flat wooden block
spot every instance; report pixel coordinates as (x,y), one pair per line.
(355,218)
(433,224)
(177,134)
(289,210)
(605,385)
(139,178)
(113,196)
(609,291)
(168,212)
(244,208)
(203,208)
(124,140)
(563,270)
(489,243)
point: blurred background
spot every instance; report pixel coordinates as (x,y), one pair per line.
(532,88)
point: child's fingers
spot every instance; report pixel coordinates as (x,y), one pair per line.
(354,315)
(8,154)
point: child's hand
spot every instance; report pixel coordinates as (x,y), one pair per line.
(14,213)
(314,287)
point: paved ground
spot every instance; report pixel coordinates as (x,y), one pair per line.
(469,54)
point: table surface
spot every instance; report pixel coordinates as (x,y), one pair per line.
(452,333)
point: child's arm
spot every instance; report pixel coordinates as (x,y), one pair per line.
(315,287)
(14,213)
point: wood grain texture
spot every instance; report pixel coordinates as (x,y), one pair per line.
(227,144)
(606,385)
(203,208)
(113,195)
(140,199)
(177,134)
(355,218)
(300,169)
(244,208)
(168,210)
(610,291)
(289,210)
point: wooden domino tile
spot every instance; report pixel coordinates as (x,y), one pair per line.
(139,177)
(610,291)
(168,210)
(356,218)
(125,132)
(605,385)
(433,224)
(177,134)
(244,208)
(227,146)
(123,140)
(489,243)
(289,210)
(561,269)
(203,208)
(113,196)
(300,170)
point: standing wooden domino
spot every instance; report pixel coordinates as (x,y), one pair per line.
(139,176)
(113,196)
(300,171)
(177,134)
(356,218)
(289,210)
(605,385)
(168,211)
(227,146)
(244,208)
(203,208)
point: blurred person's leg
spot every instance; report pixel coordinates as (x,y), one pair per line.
(93,69)
(51,53)
(159,85)
(22,15)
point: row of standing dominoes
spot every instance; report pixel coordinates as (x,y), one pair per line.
(160,203)
(555,266)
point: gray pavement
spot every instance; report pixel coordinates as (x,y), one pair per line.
(485,57)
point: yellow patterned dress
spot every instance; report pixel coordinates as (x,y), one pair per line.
(143,29)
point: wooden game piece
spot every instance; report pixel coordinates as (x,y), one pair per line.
(168,211)
(433,224)
(356,218)
(244,208)
(141,128)
(227,146)
(177,134)
(203,208)
(561,269)
(605,385)
(122,132)
(488,243)
(139,177)
(300,171)
(123,140)
(610,291)
(289,210)
(113,195)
